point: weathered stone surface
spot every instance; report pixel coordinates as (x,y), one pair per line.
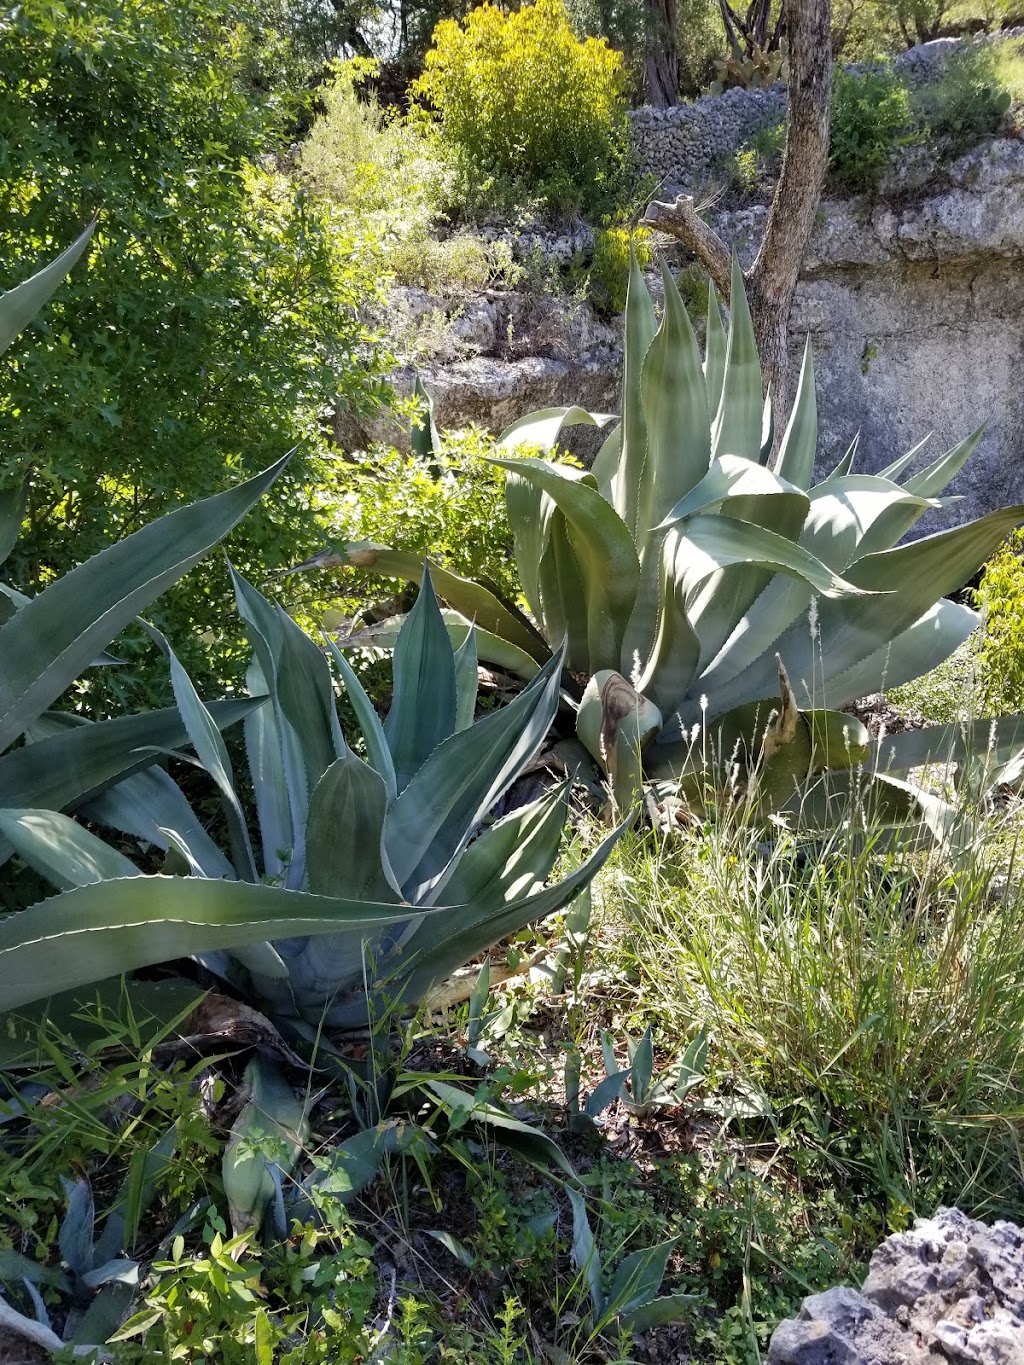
(949,1290)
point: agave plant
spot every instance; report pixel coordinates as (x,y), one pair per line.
(367,881)
(65,761)
(701,590)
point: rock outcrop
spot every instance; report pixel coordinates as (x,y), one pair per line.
(951,1290)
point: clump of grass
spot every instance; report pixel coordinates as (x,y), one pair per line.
(864,992)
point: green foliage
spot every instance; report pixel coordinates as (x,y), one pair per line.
(608,275)
(870,122)
(974,94)
(449,505)
(525,107)
(1000,646)
(759,158)
(217,322)
(832,977)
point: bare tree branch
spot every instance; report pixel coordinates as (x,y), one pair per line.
(772,280)
(681,220)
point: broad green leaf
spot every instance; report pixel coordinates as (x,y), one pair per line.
(98,931)
(61,850)
(76,764)
(800,440)
(343,836)
(675,408)
(513,857)
(912,654)
(894,470)
(266,1140)
(934,478)
(12,512)
(424,439)
(586,1259)
(737,426)
(564,598)
(210,750)
(422,712)
(710,543)
(18,306)
(731,484)
(524,1137)
(857,514)
(280,829)
(638,1278)
(658,1312)
(845,465)
(46,644)
(672,663)
(467,681)
(348,1167)
(641,323)
(714,351)
(604,550)
(954,743)
(476,601)
(490,649)
(606,462)
(542,429)
(529,512)
(370,723)
(433,818)
(460,933)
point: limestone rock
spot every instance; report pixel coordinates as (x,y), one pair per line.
(949,1290)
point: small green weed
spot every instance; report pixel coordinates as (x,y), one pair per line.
(974,96)
(871,121)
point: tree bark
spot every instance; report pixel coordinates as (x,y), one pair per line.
(662,64)
(772,279)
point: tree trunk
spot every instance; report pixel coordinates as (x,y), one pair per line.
(662,64)
(772,279)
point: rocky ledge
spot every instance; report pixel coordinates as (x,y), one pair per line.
(949,1290)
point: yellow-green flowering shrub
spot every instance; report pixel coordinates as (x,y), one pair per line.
(526,105)
(1000,649)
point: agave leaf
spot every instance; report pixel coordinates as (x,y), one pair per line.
(531,1141)
(934,478)
(266,1140)
(858,514)
(422,712)
(710,543)
(605,552)
(641,324)
(914,652)
(845,465)
(542,429)
(563,596)
(894,470)
(102,930)
(490,649)
(424,439)
(476,601)
(370,724)
(738,486)
(212,754)
(638,1278)
(467,681)
(147,805)
(800,440)
(264,751)
(46,644)
(18,306)
(12,512)
(737,425)
(343,836)
(658,1312)
(76,764)
(715,346)
(586,1258)
(675,405)
(675,656)
(954,743)
(61,850)
(461,933)
(433,818)
(529,512)
(606,462)
(616,723)
(848,630)
(513,857)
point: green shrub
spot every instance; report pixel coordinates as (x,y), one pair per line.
(526,107)
(760,156)
(1000,648)
(870,123)
(216,324)
(973,97)
(608,276)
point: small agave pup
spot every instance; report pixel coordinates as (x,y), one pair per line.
(369,881)
(700,592)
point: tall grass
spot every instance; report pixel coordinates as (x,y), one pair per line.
(870,992)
